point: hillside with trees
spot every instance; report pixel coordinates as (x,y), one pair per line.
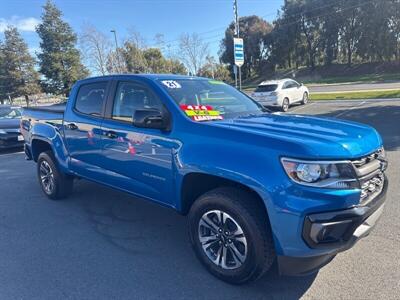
(312,33)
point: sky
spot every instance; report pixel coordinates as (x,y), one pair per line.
(209,18)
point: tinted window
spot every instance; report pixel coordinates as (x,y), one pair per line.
(90,98)
(266,88)
(10,113)
(288,84)
(132,96)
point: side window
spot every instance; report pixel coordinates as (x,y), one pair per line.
(132,96)
(90,98)
(290,84)
(286,85)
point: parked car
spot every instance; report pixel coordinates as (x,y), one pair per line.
(281,93)
(10,135)
(257,187)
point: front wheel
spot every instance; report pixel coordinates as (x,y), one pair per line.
(305,98)
(54,183)
(231,236)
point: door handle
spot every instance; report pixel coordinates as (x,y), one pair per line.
(111,134)
(72,126)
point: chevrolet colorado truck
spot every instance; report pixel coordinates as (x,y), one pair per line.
(257,187)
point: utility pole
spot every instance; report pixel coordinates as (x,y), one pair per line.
(116,50)
(237,33)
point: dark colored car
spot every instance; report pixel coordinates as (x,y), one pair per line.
(10,134)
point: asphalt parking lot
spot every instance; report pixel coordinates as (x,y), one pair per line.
(104,244)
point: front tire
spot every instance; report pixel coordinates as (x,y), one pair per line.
(53,182)
(230,234)
(304,101)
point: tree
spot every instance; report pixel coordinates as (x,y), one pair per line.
(215,70)
(59,60)
(174,66)
(253,30)
(133,57)
(350,27)
(96,47)
(394,24)
(375,24)
(18,74)
(192,51)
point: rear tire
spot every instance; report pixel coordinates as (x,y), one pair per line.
(55,184)
(285,105)
(231,236)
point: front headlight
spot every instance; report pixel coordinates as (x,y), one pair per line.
(2,131)
(332,175)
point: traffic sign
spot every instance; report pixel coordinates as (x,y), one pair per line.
(238,51)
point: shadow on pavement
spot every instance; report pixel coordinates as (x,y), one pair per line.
(11,150)
(154,241)
(386,119)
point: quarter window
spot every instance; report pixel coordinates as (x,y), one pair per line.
(90,98)
(132,96)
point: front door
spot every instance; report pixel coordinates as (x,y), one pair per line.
(82,128)
(139,160)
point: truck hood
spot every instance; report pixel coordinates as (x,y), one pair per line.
(318,137)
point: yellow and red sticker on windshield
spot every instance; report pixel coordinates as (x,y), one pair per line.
(200,113)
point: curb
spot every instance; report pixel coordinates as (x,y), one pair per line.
(356,100)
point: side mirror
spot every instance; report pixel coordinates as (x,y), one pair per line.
(150,118)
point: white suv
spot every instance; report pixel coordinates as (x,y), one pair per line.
(281,93)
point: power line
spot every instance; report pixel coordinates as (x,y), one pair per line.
(176,45)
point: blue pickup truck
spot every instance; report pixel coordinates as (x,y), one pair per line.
(257,187)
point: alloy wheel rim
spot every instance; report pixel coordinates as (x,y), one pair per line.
(222,239)
(305,98)
(47,177)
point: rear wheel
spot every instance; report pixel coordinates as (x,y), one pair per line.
(231,235)
(54,183)
(305,98)
(285,105)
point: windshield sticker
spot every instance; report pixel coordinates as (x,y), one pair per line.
(201,112)
(215,82)
(171,84)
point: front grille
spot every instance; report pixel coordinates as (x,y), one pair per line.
(370,172)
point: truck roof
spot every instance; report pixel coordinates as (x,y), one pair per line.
(148,76)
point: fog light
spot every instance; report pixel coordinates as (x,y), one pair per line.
(328,232)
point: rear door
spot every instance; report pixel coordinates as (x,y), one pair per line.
(290,90)
(298,94)
(138,160)
(82,128)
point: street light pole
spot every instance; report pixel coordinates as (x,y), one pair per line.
(116,50)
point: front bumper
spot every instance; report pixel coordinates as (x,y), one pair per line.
(333,231)
(10,141)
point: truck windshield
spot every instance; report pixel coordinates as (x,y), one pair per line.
(207,100)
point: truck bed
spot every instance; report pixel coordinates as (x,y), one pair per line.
(51,115)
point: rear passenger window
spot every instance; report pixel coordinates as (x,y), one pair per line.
(132,96)
(90,98)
